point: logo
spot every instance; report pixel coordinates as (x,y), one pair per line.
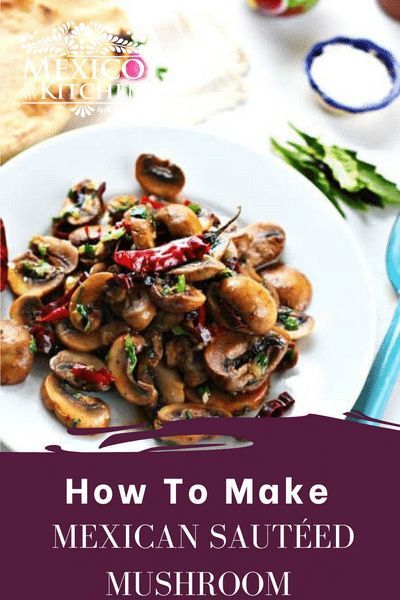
(82,65)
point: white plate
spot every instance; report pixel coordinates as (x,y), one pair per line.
(334,361)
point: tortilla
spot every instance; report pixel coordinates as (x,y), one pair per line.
(22,125)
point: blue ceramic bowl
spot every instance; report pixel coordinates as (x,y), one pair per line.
(390,62)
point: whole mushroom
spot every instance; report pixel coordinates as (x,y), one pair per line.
(239,302)
(159,177)
(16,353)
(293,287)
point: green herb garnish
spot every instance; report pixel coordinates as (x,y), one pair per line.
(178,330)
(88,250)
(42,250)
(290,354)
(261,360)
(339,174)
(130,350)
(181,284)
(225,274)
(204,391)
(70,212)
(32,345)
(290,323)
(178,288)
(83,311)
(161,72)
(75,422)
(113,234)
(140,212)
(187,415)
(36,270)
(196,208)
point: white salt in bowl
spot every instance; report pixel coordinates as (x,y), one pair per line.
(382,85)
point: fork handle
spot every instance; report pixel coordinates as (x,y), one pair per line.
(383,374)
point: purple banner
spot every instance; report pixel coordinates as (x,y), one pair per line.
(308,509)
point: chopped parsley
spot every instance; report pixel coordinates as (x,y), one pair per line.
(130,350)
(178,330)
(42,250)
(205,392)
(225,274)
(261,359)
(161,72)
(140,212)
(196,208)
(181,284)
(75,423)
(70,212)
(36,270)
(289,322)
(113,234)
(32,345)
(88,250)
(290,354)
(83,311)
(178,288)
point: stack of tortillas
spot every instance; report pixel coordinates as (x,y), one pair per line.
(24,124)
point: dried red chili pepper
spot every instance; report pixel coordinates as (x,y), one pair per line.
(276,408)
(57,314)
(170,255)
(3,256)
(102,376)
(153,203)
(58,309)
(162,258)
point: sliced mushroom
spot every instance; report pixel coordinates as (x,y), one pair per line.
(165,295)
(63,363)
(16,355)
(72,408)
(159,177)
(89,342)
(31,274)
(165,321)
(182,412)
(153,352)
(119,205)
(296,324)
(182,354)
(199,270)
(237,362)
(25,309)
(59,253)
(180,220)
(236,405)
(260,243)
(239,302)
(85,313)
(139,221)
(169,384)
(119,364)
(138,310)
(84,203)
(293,287)
(111,330)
